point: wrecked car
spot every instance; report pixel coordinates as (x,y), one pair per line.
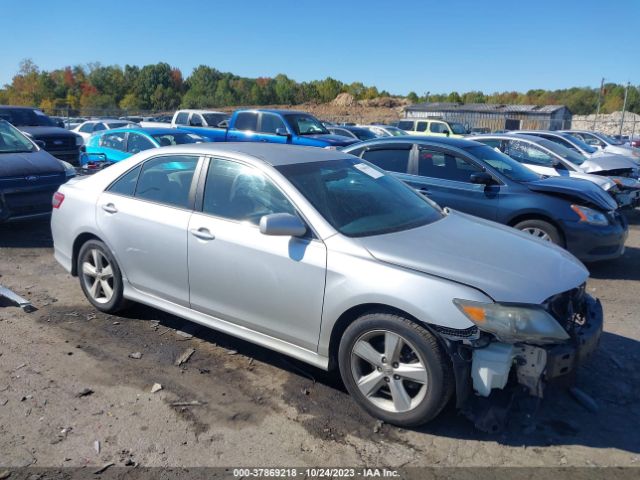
(474,178)
(613,173)
(325,257)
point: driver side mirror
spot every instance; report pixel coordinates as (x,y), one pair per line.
(282,132)
(481,178)
(447,133)
(282,224)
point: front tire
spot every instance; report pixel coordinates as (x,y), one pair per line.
(541,230)
(395,369)
(100,277)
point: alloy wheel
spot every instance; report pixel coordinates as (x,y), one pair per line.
(97,275)
(389,371)
(538,233)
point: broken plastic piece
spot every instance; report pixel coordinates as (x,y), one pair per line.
(17,300)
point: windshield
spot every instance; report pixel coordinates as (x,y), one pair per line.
(396,132)
(502,163)
(363,133)
(358,199)
(166,139)
(304,124)
(571,155)
(608,139)
(12,141)
(457,128)
(213,119)
(581,144)
(24,117)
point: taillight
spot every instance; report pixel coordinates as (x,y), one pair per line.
(58,198)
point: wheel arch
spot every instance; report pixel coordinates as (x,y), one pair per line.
(77,245)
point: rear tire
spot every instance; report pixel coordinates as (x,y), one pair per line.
(395,369)
(541,230)
(100,277)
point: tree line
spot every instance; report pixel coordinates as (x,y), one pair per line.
(161,87)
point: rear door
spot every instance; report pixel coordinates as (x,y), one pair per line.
(144,216)
(114,146)
(391,157)
(245,128)
(269,124)
(444,176)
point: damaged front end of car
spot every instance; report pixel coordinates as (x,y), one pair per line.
(516,350)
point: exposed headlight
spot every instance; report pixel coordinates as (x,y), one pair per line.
(590,216)
(513,323)
(69,170)
(79,141)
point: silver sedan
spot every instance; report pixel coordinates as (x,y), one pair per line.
(324,257)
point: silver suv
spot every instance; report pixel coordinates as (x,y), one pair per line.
(324,257)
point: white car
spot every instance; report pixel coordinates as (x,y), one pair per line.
(199,118)
(385,130)
(88,128)
(606,143)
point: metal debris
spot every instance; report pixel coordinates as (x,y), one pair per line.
(194,403)
(96,446)
(183,334)
(378,426)
(156,388)
(85,392)
(17,300)
(232,352)
(136,355)
(103,468)
(185,356)
(584,399)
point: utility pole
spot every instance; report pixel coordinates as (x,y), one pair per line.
(599,100)
(624,107)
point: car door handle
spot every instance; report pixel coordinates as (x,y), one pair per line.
(109,208)
(202,234)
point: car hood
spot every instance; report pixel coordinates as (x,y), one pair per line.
(333,140)
(582,190)
(24,164)
(504,263)
(35,132)
(604,162)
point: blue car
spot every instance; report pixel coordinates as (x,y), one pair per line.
(476,179)
(115,145)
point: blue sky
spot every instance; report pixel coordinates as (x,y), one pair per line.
(437,46)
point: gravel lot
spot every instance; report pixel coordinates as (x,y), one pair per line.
(67,381)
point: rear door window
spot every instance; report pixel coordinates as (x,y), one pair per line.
(182,118)
(126,184)
(167,180)
(246,121)
(395,159)
(138,143)
(422,126)
(269,123)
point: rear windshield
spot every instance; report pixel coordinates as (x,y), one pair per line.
(24,117)
(213,119)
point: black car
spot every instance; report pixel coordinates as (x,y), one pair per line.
(350,131)
(474,178)
(59,142)
(29,176)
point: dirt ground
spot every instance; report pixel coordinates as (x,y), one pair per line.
(71,395)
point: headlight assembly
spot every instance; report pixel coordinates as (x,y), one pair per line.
(513,323)
(590,216)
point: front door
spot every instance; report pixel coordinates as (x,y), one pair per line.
(271,284)
(145,215)
(444,176)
